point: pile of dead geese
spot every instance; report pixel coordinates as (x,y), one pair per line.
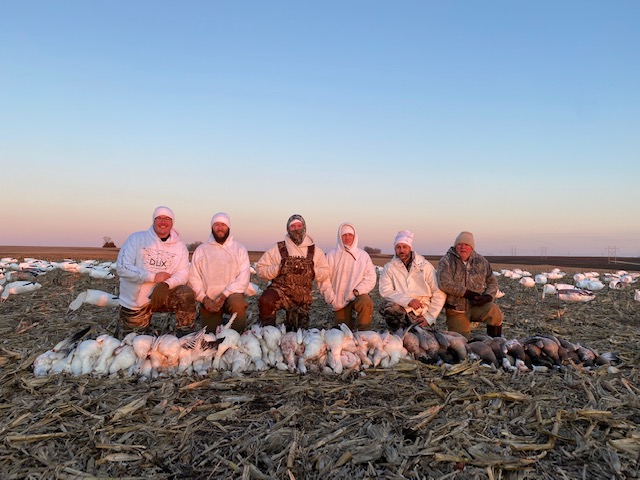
(334,350)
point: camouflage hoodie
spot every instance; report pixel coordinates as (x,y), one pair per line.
(455,278)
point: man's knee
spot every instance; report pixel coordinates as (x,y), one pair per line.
(489,314)
(237,304)
(458,322)
(363,306)
(267,307)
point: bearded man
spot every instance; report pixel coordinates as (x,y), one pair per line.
(219,275)
(291,266)
(408,287)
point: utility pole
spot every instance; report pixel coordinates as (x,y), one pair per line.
(612,252)
(543,252)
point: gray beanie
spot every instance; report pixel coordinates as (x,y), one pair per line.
(465,237)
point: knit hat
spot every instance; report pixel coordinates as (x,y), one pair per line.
(404,236)
(222,218)
(163,211)
(465,237)
(296,218)
(347,229)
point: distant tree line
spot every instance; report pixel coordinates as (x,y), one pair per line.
(192,246)
(108,243)
(371,250)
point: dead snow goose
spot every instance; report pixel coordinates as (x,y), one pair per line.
(231,340)
(85,356)
(109,345)
(15,288)
(94,297)
(334,338)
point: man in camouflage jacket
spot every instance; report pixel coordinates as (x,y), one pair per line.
(467,279)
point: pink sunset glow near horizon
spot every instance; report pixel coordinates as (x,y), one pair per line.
(515,121)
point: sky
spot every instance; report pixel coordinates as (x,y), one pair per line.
(517,121)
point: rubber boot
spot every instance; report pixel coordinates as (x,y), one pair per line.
(494,330)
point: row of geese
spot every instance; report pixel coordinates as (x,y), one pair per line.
(20,277)
(583,288)
(334,350)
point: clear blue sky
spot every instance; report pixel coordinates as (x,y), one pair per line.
(516,120)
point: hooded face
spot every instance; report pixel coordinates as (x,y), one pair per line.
(347,235)
(296,228)
(296,231)
(347,239)
(162,225)
(220,232)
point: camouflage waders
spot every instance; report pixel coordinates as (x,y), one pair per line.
(290,290)
(181,301)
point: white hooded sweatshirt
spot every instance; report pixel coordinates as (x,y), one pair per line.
(141,257)
(350,268)
(219,268)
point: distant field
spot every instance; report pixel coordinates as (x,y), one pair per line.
(81,253)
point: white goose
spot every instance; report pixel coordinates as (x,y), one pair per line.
(59,356)
(334,338)
(250,345)
(94,297)
(527,282)
(109,345)
(15,288)
(394,348)
(231,340)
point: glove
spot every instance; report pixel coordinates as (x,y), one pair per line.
(159,296)
(469,295)
(482,300)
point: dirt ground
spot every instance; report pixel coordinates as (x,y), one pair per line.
(414,421)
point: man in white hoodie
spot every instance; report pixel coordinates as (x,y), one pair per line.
(408,287)
(291,266)
(219,275)
(153,266)
(352,277)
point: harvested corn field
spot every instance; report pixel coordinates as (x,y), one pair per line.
(410,421)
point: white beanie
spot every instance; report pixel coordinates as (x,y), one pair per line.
(163,211)
(467,238)
(347,229)
(222,218)
(404,236)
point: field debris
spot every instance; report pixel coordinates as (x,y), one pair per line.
(411,420)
